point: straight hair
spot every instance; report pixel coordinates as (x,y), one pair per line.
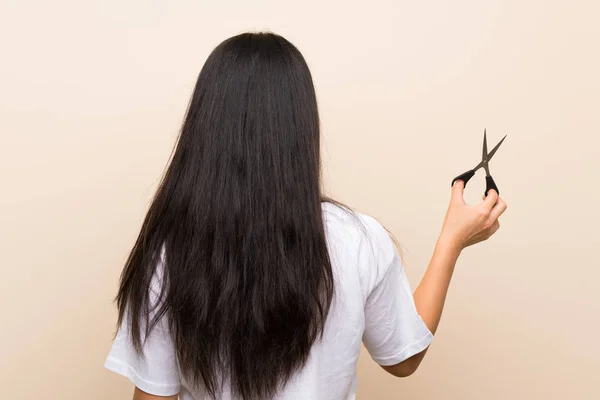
(236,226)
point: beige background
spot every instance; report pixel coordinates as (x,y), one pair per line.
(91,98)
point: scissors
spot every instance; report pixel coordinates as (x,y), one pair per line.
(485,159)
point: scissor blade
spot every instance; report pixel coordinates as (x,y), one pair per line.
(485,153)
(491,153)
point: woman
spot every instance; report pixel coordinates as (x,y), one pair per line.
(245,282)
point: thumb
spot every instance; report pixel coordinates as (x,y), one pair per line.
(458,190)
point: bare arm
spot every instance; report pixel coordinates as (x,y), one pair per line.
(141,395)
(429,300)
(464,226)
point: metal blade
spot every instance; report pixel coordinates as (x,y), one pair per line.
(484,157)
(485,153)
(491,153)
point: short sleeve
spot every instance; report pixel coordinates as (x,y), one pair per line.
(394,331)
(156,370)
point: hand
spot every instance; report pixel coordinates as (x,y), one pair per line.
(466,225)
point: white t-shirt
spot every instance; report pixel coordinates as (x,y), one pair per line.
(373,304)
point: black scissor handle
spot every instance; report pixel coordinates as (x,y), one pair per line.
(490,184)
(464,177)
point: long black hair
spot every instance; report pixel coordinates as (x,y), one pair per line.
(247,279)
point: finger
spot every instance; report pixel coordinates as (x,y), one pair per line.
(485,234)
(498,210)
(491,200)
(458,190)
(495,226)
(489,232)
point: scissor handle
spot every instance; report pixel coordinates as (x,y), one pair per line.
(464,177)
(490,184)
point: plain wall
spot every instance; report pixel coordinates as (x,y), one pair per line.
(91,99)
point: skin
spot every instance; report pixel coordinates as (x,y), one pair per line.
(464,226)
(140,395)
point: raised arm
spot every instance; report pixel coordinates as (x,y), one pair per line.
(141,395)
(463,226)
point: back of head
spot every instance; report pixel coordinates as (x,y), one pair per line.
(247,279)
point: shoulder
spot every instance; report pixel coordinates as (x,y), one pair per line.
(363,238)
(358,226)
